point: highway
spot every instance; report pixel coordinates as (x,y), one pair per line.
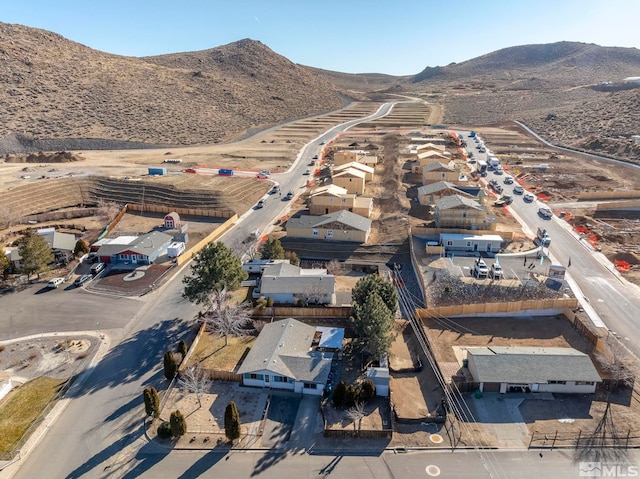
(101,427)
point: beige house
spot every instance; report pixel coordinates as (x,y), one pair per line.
(429,158)
(428,194)
(339,226)
(331,198)
(368,170)
(347,156)
(457,211)
(351,179)
(430,147)
(440,172)
(369,160)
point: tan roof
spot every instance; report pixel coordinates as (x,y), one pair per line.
(354,164)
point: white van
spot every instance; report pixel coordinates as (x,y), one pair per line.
(55,282)
(97,268)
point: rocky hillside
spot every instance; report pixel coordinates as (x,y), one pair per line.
(54,88)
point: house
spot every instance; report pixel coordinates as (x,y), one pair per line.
(282,358)
(457,211)
(141,250)
(430,146)
(440,172)
(471,242)
(368,170)
(286,283)
(351,179)
(427,158)
(338,226)
(347,156)
(369,160)
(331,198)
(62,245)
(172,220)
(523,369)
(428,194)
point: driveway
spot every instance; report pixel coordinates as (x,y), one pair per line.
(281,416)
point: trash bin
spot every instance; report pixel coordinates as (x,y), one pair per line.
(465,363)
(478,394)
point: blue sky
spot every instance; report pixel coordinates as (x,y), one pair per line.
(356,36)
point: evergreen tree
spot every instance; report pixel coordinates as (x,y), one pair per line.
(183,348)
(215,267)
(292,257)
(35,252)
(178,424)
(373,323)
(272,249)
(151,402)
(367,390)
(232,422)
(374,283)
(339,394)
(170,365)
(4,261)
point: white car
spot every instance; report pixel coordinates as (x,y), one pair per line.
(545,212)
(55,282)
(529,197)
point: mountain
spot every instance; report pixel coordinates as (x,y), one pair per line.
(55,88)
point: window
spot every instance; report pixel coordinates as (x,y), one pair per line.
(584,383)
(255,376)
(331,199)
(280,379)
(468,244)
(309,386)
(557,382)
(315,232)
(343,200)
(449,243)
(329,233)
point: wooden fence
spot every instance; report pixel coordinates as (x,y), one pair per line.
(560,304)
(362,433)
(295,312)
(204,242)
(608,195)
(115,221)
(211,212)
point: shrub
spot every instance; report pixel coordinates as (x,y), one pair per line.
(339,394)
(177,424)
(367,391)
(151,402)
(269,301)
(170,365)
(299,303)
(164,430)
(183,348)
(351,396)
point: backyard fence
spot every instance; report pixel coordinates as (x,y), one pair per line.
(588,440)
(559,304)
(187,255)
(295,312)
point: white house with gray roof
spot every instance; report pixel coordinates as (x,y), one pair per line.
(337,226)
(285,283)
(283,358)
(555,370)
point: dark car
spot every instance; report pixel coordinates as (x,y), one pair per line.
(261,204)
(288,196)
(507,199)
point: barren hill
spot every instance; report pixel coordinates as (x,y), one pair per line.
(54,88)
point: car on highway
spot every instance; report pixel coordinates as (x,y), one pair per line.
(322,142)
(472,160)
(80,280)
(508,180)
(261,204)
(274,190)
(498,188)
(264,175)
(315,157)
(518,190)
(508,199)
(528,197)
(55,282)
(307,172)
(545,212)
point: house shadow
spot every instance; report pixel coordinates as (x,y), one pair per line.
(563,407)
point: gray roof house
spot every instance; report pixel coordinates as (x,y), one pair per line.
(285,283)
(337,226)
(144,249)
(429,193)
(282,358)
(506,369)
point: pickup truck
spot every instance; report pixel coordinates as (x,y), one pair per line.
(480,269)
(542,238)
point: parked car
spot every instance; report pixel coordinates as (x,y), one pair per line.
(545,212)
(529,197)
(274,190)
(261,204)
(315,157)
(55,282)
(518,190)
(97,268)
(80,280)
(307,172)
(264,174)
(472,160)
(496,271)
(480,269)
(288,196)
(508,180)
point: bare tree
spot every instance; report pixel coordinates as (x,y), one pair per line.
(195,379)
(8,216)
(617,363)
(224,318)
(108,209)
(335,267)
(313,294)
(356,413)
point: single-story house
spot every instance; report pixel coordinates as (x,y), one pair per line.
(471,242)
(285,283)
(347,156)
(457,211)
(524,369)
(282,358)
(428,194)
(351,179)
(172,220)
(367,170)
(141,250)
(338,226)
(440,172)
(62,245)
(330,198)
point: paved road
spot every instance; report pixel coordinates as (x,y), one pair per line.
(615,301)
(101,429)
